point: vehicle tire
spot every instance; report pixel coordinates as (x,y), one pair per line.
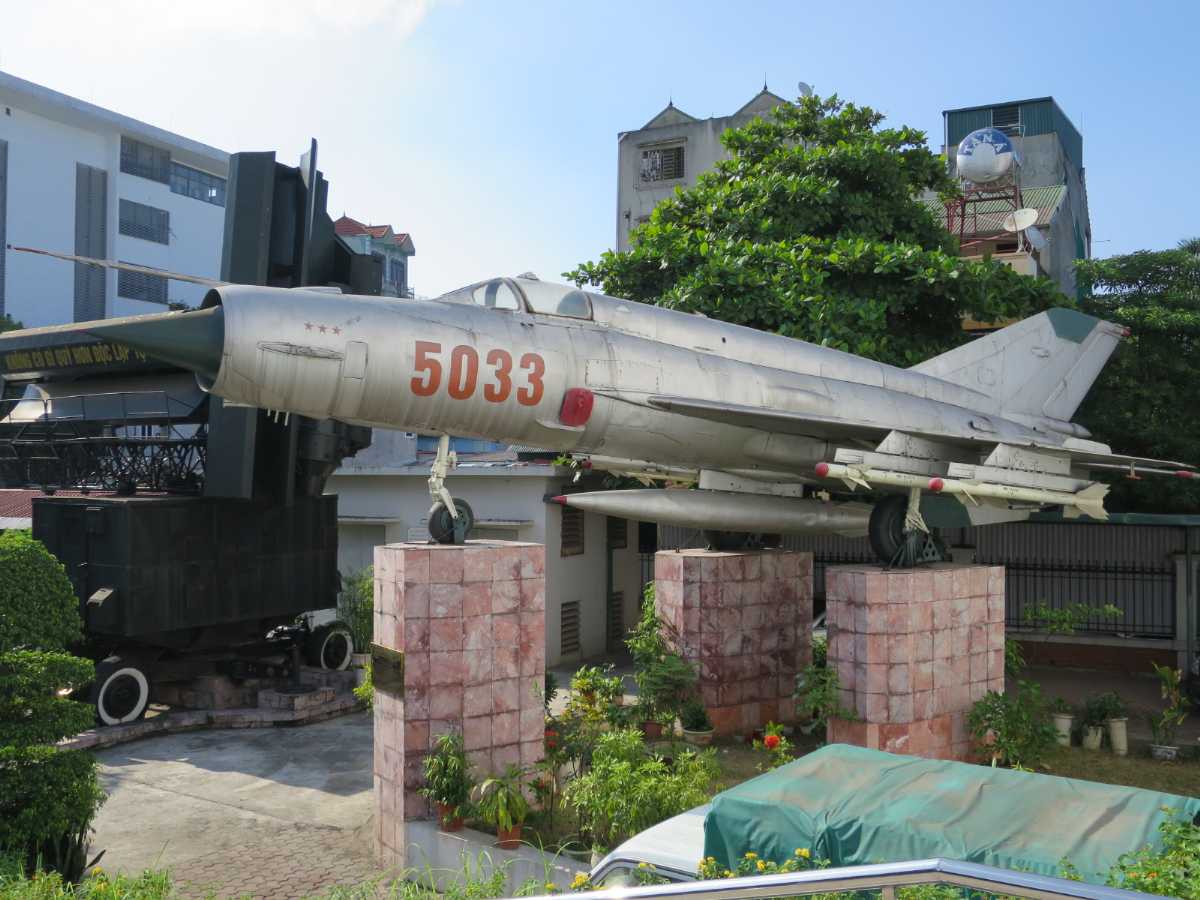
(885,530)
(441,524)
(121,692)
(329,646)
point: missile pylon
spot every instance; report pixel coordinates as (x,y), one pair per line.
(726,511)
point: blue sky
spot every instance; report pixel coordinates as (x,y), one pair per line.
(489,129)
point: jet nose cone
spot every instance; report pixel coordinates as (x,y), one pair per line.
(191,340)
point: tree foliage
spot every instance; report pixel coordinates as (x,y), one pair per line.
(813,229)
(1144,402)
(8,323)
(47,796)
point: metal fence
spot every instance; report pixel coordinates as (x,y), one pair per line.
(1130,566)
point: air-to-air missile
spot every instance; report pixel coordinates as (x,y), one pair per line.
(759,422)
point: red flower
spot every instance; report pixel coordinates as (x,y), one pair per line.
(771,741)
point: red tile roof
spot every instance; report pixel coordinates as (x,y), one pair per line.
(349,227)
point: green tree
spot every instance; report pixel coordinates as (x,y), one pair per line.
(47,796)
(813,229)
(1145,399)
(8,323)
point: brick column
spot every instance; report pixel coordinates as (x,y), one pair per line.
(745,620)
(913,650)
(470,621)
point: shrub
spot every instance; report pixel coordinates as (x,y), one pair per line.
(356,607)
(820,651)
(627,789)
(47,796)
(448,778)
(775,745)
(500,800)
(665,680)
(1173,871)
(1176,709)
(1012,728)
(694,717)
(14,885)
(818,696)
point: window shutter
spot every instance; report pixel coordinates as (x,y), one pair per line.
(91,212)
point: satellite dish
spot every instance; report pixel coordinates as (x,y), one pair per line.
(985,155)
(805,89)
(1020,219)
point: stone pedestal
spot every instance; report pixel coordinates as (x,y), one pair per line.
(470,621)
(913,649)
(745,620)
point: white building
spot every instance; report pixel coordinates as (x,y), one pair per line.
(670,151)
(594,571)
(79,179)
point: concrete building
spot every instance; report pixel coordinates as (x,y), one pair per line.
(670,151)
(79,179)
(594,570)
(394,249)
(1051,179)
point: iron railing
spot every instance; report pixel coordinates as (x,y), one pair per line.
(975,880)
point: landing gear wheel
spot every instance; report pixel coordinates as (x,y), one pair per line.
(885,530)
(329,646)
(121,692)
(441,523)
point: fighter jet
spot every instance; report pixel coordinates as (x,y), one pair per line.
(769,430)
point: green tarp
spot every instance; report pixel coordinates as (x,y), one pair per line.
(854,806)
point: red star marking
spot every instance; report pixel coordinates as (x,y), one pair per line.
(308,326)
(322,329)
(337,330)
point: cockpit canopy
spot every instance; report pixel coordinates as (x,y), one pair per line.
(525,294)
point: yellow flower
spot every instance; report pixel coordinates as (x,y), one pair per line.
(750,855)
(803,852)
(762,866)
(581,879)
(645,865)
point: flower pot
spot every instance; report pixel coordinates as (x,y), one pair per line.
(1093,735)
(446,820)
(1118,737)
(652,730)
(1165,752)
(1063,723)
(698,738)
(509,838)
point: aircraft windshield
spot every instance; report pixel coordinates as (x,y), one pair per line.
(494,294)
(556,299)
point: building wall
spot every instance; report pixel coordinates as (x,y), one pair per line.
(47,135)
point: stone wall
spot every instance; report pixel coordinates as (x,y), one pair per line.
(470,621)
(913,649)
(745,620)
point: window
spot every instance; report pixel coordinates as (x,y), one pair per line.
(571,542)
(146,222)
(495,295)
(145,161)
(568,623)
(141,286)
(662,164)
(197,185)
(1006,117)
(618,533)
(556,299)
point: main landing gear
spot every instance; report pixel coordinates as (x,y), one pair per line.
(450,520)
(899,535)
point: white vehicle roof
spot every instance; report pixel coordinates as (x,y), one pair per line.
(674,847)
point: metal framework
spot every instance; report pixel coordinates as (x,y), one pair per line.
(135,443)
(881,879)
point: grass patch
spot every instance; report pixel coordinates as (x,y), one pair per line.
(1181,777)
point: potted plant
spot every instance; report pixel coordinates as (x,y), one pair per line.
(664,686)
(500,802)
(697,727)
(1116,719)
(1064,721)
(1095,712)
(1163,725)
(448,780)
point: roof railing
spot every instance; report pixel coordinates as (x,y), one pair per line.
(883,878)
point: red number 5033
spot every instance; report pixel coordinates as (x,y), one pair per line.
(463,376)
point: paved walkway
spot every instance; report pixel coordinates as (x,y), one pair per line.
(277,812)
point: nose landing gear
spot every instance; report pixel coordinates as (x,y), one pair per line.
(450,520)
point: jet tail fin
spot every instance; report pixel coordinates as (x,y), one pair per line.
(1040,366)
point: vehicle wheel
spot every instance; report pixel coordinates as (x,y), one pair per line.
(886,527)
(726,541)
(441,524)
(329,646)
(121,692)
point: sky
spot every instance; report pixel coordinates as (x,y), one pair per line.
(488,130)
